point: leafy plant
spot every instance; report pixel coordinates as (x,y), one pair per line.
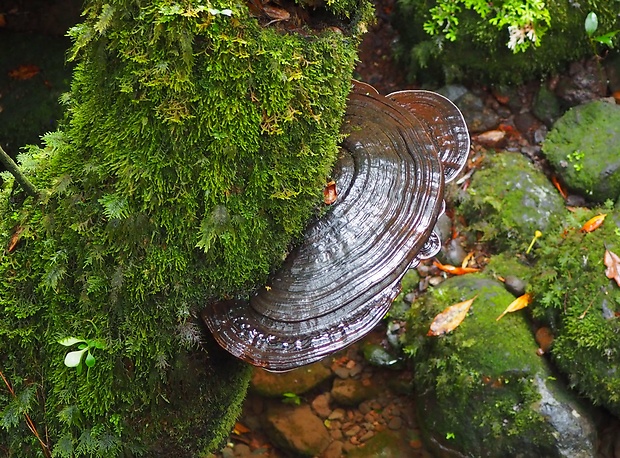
(291,398)
(526,20)
(85,347)
(591,26)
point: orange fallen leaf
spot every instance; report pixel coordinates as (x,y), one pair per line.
(329,193)
(240,428)
(519,303)
(455,270)
(467,259)
(558,186)
(612,262)
(14,238)
(24,72)
(593,223)
(450,318)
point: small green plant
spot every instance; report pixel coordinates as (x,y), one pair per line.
(291,398)
(576,158)
(526,20)
(85,347)
(591,25)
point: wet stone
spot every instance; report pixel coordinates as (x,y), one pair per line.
(320,404)
(395,423)
(297,430)
(334,450)
(297,381)
(351,392)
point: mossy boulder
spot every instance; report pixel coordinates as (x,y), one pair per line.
(195,148)
(509,200)
(584,149)
(480,52)
(481,389)
(575,298)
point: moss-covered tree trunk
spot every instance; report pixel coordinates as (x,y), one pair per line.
(195,149)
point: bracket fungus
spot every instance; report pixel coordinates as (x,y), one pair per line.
(338,283)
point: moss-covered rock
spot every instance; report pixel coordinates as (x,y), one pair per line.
(195,148)
(482,390)
(480,51)
(584,149)
(575,298)
(509,200)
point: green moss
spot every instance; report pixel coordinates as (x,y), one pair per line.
(480,51)
(195,148)
(584,147)
(509,200)
(485,371)
(574,297)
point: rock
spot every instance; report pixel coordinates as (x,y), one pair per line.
(479,118)
(581,307)
(395,423)
(584,149)
(378,356)
(384,444)
(320,405)
(482,387)
(509,200)
(612,68)
(297,381)
(492,138)
(351,392)
(515,285)
(334,450)
(297,430)
(546,106)
(585,81)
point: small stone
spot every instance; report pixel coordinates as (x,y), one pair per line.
(354,440)
(351,392)
(334,450)
(336,434)
(365,408)
(366,436)
(515,285)
(352,431)
(492,138)
(297,430)
(340,371)
(337,414)
(320,405)
(395,423)
(227,452)
(242,450)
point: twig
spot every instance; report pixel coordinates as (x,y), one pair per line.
(12,167)
(29,422)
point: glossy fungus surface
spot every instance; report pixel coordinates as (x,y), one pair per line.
(339,282)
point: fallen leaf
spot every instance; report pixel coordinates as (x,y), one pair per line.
(240,428)
(519,303)
(593,223)
(24,72)
(467,259)
(612,262)
(14,238)
(559,186)
(455,270)
(329,193)
(450,318)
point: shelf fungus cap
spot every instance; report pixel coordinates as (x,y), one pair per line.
(339,282)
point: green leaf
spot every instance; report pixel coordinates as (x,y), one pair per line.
(68,341)
(591,23)
(90,359)
(607,38)
(73,358)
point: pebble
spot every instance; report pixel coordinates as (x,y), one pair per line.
(352,431)
(320,405)
(334,450)
(366,436)
(340,371)
(337,414)
(395,423)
